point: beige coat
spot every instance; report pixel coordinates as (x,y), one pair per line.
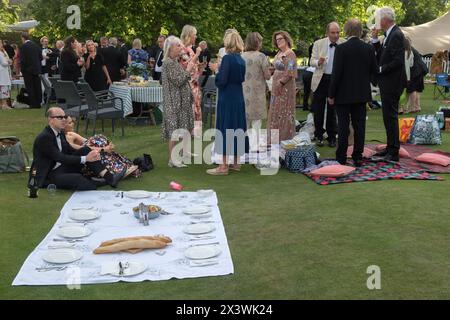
(320,49)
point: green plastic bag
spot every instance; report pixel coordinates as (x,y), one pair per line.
(12,157)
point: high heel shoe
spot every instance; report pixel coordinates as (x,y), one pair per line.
(176,164)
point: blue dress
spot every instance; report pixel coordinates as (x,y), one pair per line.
(231,124)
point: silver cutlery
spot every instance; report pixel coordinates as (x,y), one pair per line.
(62,246)
(203,263)
(90,208)
(56,268)
(204,244)
(120,269)
(68,240)
(197,222)
(202,238)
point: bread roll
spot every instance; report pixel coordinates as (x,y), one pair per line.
(131,244)
(114,241)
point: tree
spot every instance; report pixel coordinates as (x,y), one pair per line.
(419,11)
(8,14)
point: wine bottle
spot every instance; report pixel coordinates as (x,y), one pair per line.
(33,186)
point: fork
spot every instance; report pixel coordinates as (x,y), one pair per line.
(68,240)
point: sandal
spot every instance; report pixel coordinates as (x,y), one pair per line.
(235,167)
(217,172)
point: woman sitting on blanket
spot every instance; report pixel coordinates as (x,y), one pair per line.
(114,161)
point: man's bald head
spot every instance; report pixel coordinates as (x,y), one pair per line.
(333,31)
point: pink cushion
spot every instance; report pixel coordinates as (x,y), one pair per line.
(368,153)
(335,170)
(434,158)
(402,152)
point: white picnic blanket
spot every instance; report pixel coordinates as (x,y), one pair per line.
(163,264)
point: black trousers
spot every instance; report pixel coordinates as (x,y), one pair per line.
(70,177)
(34,89)
(318,108)
(357,114)
(307,78)
(389,105)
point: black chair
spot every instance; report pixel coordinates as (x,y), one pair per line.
(70,100)
(47,91)
(102,108)
(209,98)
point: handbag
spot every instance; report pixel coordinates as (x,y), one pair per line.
(425,130)
(300,158)
(145,163)
(12,156)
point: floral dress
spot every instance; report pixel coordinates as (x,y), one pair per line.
(113,161)
(185,59)
(282,102)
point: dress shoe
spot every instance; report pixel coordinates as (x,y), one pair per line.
(357,163)
(332,144)
(390,157)
(113,179)
(319,142)
(381,153)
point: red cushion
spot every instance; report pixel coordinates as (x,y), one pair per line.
(335,170)
(434,158)
(368,153)
(402,152)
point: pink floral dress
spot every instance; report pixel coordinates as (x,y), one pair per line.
(185,59)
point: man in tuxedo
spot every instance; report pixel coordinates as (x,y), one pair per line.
(55,161)
(158,54)
(46,55)
(205,58)
(113,60)
(124,53)
(353,68)
(322,59)
(30,66)
(391,77)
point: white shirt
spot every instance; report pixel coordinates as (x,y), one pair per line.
(158,69)
(44,54)
(329,66)
(58,142)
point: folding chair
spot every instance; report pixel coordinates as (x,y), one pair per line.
(442,86)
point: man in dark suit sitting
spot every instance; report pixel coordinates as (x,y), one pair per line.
(391,77)
(30,66)
(354,66)
(55,161)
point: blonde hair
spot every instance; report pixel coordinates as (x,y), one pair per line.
(233,42)
(89,42)
(43,38)
(286,37)
(187,33)
(137,44)
(170,41)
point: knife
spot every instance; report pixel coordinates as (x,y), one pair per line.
(202,238)
(120,268)
(204,264)
(205,244)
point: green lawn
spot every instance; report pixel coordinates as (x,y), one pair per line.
(289,237)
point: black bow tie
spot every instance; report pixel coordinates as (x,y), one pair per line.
(333,44)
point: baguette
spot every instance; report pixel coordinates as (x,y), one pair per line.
(114,241)
(131,245)
(133,251)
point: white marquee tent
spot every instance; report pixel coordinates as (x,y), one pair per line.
(23,25)
(431,36)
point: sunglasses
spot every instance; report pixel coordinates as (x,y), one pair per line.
(59,117)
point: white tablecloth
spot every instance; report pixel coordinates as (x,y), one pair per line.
(136,94)
(162,264)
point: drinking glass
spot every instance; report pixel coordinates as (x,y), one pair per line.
(51,188)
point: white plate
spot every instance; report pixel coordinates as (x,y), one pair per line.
(62,255)
(201,216)
(137,194)
(197,210)
(202,252)
(133,269)
(74,232)
(84,215)
(205,193)
(199,228)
